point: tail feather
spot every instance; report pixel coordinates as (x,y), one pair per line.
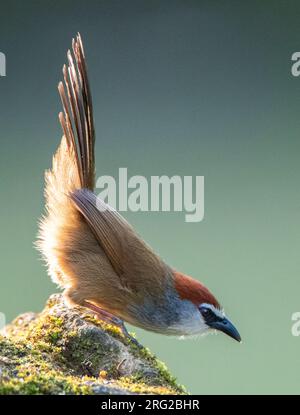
(78,114)
(73,168)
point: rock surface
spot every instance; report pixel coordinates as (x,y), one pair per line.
(64,351)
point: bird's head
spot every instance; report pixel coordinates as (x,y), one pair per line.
(205,310)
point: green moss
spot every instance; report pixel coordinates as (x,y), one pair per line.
(136,385)
(30,371)
(34,383)
(164,377)
(49,354)
(115,331)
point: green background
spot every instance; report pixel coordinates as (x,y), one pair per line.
(179,87)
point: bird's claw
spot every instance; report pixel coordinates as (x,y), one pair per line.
(129,337)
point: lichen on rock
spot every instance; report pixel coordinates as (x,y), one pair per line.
(69,351)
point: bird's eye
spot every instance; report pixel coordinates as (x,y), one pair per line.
(207,314)
(205,311)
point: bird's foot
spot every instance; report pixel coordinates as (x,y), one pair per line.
(128,336)
(116,321)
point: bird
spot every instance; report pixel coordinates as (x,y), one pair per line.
(93,254)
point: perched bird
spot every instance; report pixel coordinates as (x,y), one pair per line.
(93,253)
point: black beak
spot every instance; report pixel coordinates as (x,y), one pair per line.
(226,327)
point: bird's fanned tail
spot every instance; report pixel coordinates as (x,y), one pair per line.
(73,168)
(77,118)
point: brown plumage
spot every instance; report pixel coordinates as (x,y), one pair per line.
(193,290)
(91,250)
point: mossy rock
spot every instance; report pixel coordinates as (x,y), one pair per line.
(69,351)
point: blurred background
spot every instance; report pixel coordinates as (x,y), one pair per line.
(180,87)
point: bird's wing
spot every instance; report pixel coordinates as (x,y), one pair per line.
(133,260)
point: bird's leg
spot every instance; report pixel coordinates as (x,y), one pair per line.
(111,319)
